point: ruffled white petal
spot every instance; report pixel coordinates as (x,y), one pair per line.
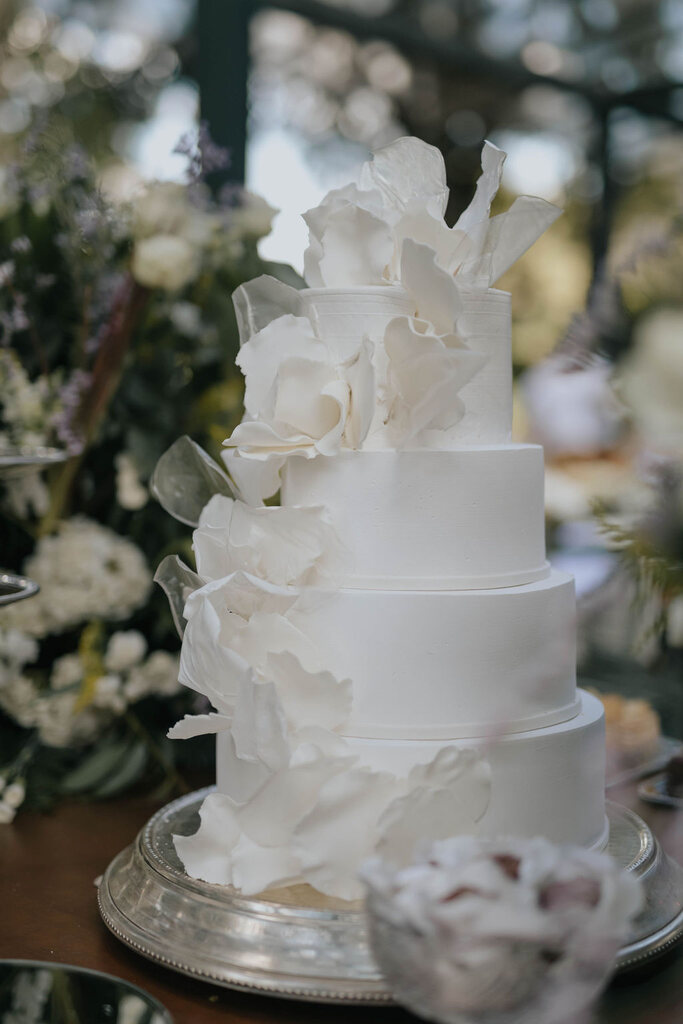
(446,797)
(435,292)
(255,479)
(316,698)
(492,160)
(343,829)
(408,172)
(199,725)
(286,546)
(426,373)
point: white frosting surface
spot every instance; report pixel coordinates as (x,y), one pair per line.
(547,782)
(486,321)
(430,520)
(430,664)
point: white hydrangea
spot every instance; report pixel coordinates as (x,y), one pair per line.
(85,572)
(19,700)
(67,671)
(60,724)
(124,650)
(16,650)
(157,676)
(108,695)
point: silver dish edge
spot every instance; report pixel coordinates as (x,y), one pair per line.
(281,945)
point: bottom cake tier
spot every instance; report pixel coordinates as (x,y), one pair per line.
(547,782)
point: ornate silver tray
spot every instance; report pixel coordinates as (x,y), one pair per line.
(297,944)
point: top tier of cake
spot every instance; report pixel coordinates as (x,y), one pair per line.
(466,516)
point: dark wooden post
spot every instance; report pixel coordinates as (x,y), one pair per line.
(223,74)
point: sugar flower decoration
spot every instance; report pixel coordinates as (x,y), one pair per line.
(356,234)
(299,398)
(499,931)
(286,546)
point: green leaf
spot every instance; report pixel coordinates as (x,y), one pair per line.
(128,773)
(96,767)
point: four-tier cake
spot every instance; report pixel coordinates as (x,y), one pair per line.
(389,655)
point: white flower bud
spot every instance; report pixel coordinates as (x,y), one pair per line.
(7,813)
(14,794)
(164,261)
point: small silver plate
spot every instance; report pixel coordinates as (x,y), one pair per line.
(15,588)
(295,943)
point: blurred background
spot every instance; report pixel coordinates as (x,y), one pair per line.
(585,96)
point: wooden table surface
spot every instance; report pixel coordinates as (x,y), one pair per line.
(48,911)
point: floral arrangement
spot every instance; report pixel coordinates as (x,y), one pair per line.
(116,329)
(499,931)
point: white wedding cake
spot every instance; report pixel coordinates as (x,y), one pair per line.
(389,654)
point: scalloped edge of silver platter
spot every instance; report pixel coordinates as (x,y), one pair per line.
(15,588)
(21,460)
(294,943)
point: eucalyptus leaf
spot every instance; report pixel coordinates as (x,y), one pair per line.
(96,767)
(128,772)
(186,478)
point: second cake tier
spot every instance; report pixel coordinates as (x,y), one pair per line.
(468,518)
(434,664)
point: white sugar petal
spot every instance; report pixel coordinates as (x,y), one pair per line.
(342,830)
(408,171)
(208,853)
(511,234)
(259,729)
(446,797)
(356,249)
(309,698)
(255,479)
(274,812)
(435,292)
(199,725)
(492,160)
(426,375)
(262,356)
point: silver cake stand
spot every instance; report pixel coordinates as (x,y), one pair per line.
(295,943)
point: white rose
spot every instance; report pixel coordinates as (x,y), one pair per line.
(160,209)
(67,671)
(297,399)
(164,261)
(14,794)
(252,217)
(125,649)
(7,813)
